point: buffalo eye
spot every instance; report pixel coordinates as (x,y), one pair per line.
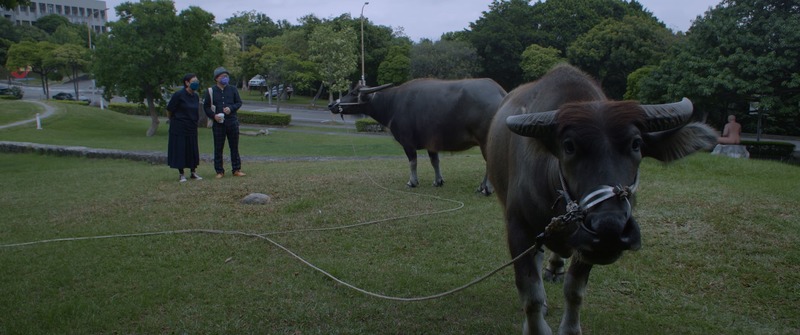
(636,144)
(569,146)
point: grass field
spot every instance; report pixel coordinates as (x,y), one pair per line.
(719,251)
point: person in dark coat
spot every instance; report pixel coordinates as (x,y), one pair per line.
(184,107)
(220,103)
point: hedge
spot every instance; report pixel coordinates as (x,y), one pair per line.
(272,119)
(781,151)
(369,125)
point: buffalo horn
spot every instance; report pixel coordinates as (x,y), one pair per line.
(369,90)
(538,125)
(667,116)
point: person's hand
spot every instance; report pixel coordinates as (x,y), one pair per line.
(217,118)
(226,110)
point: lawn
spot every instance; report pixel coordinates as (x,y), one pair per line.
(719,251)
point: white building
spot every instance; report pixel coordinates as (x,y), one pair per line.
(91,12)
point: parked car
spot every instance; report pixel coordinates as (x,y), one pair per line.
(256,81)
(69,96)
(6,91)
(274,91)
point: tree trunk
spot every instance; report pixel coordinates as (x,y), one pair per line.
(151,106)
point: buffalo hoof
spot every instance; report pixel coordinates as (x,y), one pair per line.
(411,185)
(484,190)
(438,183)
(553,277)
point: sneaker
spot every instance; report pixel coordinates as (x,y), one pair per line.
(239,174)
(220,175)
(182,179)
(195,176)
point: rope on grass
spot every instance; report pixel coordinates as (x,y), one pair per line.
(263,236)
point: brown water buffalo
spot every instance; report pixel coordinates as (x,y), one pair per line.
(564,161)
(436,115)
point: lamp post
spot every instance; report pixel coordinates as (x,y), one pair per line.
(363,81)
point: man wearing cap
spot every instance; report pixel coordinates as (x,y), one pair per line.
(220,103)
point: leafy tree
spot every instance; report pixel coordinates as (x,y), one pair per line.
(11,4)
(74,59)
(7,30)
(613,49)
(150,47)
(334,52)
(250,26)
(69,34)
(444,60)
(736,53)
(4,46)
(396,68)
(231,53)
(633,87)
(500,36)
(49,23)
(30,33)
(39,56)
(538,60)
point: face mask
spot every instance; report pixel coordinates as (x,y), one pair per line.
(194,86)
(224,81)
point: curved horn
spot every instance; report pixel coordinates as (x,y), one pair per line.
(369,90)
(538,125)
(667,116)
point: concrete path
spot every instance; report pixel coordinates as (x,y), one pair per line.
(48,111)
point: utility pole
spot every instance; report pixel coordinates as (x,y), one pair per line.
(363,81)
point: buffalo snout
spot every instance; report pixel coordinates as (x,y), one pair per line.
(605,235)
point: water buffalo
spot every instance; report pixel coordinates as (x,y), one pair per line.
(564,161)
(436,115)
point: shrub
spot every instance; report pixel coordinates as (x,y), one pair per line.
(369,125)
(272,119)
(781,151)
(135,109)
(13,93)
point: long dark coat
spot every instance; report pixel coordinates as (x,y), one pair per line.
(183,151)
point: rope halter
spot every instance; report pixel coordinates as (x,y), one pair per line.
(576,210)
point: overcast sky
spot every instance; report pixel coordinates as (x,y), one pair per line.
(418,18)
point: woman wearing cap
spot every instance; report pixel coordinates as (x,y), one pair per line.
(182,151)
(221,103)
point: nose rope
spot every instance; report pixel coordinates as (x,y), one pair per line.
(576,210)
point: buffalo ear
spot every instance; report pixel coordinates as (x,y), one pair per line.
(537,125)
(677,143)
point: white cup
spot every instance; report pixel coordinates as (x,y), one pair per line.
(221,117)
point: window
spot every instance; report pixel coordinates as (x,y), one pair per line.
(51,9)
(82,13)
(58,9)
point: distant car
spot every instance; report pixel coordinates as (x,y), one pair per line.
(6,91)
(274,91)
(69,96)
(256,81)
(64,96)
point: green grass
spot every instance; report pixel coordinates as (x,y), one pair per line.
(15,110)
(719,251)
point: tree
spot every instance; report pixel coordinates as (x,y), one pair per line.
(74,59)
(11,4)
(69,34)
(613,49)
(396,68)
(249,27)
(335,54)
(538,60)
(38,56)
(444,60)
(149,47)
(49,23)
(737,53)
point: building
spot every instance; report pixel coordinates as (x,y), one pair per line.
(91,12)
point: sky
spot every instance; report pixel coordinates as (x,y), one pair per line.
(417,18)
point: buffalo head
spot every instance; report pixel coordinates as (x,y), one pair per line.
(599,146)
(356,100)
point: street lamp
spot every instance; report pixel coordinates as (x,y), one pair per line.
(363,81)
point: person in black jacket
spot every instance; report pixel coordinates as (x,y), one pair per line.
(221,103)
(184,107)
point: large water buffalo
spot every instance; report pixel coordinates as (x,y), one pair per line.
(436,115)
(564,161)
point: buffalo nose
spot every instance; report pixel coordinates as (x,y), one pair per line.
(615,230)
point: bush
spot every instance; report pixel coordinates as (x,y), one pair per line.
(369,125)
(272,119)
(13,93)
(781,151)
(135,109)
(72,102)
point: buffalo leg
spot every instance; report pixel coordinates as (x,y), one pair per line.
(413,181)
(554,272)
(485,187)
(528,277)
(434,156)
(574,291)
